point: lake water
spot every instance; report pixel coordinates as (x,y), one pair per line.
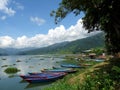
(26,63)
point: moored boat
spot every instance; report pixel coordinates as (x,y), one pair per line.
(45,79)
(41,75)
(71,66)
(60,70)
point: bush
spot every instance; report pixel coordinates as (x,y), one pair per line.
(11,70)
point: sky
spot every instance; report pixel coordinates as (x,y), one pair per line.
(27,23)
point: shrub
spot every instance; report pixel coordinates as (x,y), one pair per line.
(11,70)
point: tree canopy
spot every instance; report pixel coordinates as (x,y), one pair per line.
(99,15)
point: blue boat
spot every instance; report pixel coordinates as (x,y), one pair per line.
(41,75)
(71,66)
(45,79)
(66,70)
(99,60)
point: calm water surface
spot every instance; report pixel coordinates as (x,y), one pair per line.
(26,63)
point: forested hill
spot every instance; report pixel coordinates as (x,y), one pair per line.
(71,47)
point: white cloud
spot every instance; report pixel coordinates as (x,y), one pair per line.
(37,20)
(56,35)
(5,9)
(3,17)
(6,41)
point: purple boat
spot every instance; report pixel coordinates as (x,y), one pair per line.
(41,75)
(46,78)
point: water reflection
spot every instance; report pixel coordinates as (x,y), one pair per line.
(30,63)
(23,81)
(37,85)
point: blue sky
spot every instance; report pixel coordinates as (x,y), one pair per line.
(23,23)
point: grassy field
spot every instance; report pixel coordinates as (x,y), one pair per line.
(99,76)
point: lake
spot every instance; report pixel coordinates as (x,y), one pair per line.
(26,63)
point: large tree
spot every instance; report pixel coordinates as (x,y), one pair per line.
(99,15)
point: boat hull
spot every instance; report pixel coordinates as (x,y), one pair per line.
(60,70)
(45,79)
(70,66)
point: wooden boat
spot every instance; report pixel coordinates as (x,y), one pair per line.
(32,76)
(44,73)
(41,75)
(66,70)
(45,79)
(61,68)
(71,66)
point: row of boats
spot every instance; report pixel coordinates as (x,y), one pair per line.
(48,75)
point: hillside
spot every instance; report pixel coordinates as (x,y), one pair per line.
(12,51)
(71,47)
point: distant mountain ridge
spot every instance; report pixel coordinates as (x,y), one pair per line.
(12,51)
(60,48)
(70,47)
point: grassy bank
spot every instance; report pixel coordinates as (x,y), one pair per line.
(100,76)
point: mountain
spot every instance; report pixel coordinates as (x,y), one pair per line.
(76,46)
(12,51)
(8,51)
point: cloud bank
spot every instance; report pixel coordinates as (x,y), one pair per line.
(56,35)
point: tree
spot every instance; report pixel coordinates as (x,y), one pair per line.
(99,15)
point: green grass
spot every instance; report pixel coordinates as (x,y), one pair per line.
(11,70)
(102,76)
(63,84)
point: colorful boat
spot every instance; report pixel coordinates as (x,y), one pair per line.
(41,75)
(32,76)
(66,70)
(45,79)
(71,66)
